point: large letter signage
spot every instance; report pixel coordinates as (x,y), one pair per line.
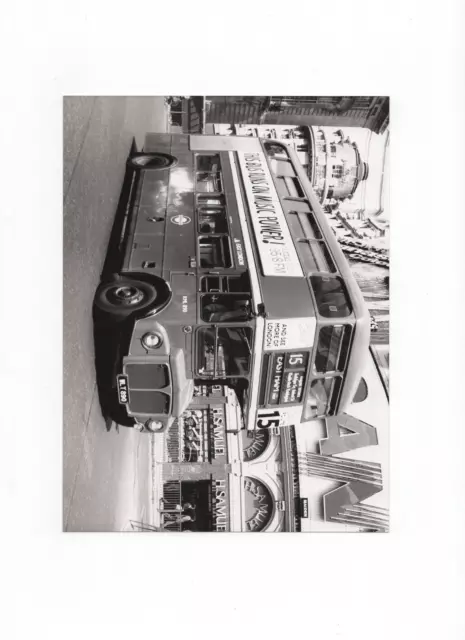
(362,435)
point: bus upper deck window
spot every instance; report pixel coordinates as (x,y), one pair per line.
(331,296)
(332,348)
(289,187)
(322,397)
(276,151)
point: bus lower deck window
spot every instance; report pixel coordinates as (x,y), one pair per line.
(208,162)
(208,182)
(212,220)
(214,252)
(210,201)
(225,307)
(224,352)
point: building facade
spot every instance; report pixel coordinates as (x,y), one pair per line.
(371,112)
(337,171)
(323,475)
(333,163)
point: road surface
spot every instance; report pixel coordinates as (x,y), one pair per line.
(106,474)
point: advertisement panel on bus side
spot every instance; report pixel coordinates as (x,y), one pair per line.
(289,333)
(277,252)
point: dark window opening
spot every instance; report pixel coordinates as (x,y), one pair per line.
(214,252)
(208,163)
(332,349)
(322,398)
(148,402)
(232,284)
(208,182)
(223,352)
(212,220)
(238,284)
(331,297)
(226,307)
(147,376)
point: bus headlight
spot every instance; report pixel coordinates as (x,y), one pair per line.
(152,340)
(153,425)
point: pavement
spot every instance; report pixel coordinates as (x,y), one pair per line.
(107,477)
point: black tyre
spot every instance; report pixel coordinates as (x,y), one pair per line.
(120,417)
(158,161)
(124,296)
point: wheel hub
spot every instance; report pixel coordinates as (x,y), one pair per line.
(127,295)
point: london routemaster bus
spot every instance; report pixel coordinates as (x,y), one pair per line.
(228,273)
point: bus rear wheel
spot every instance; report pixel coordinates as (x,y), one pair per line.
(151,161)
(123,296)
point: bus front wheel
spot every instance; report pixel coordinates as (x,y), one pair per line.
(124,296)
(151,161)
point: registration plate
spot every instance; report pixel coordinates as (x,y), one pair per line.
(123,389)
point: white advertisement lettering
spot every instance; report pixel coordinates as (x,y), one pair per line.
(275,246)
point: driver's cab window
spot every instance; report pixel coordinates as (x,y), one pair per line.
(225,307)
(224,352)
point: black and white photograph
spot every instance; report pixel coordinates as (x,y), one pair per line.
(231,252)
(226,314)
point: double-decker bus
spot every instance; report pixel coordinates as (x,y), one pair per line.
(228,273)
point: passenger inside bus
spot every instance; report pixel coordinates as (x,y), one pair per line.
(226,308)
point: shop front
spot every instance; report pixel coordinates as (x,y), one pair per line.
(196,503)
(216,476)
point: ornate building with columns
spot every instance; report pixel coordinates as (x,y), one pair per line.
(333,163)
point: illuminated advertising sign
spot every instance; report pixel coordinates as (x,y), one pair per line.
(275,245)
